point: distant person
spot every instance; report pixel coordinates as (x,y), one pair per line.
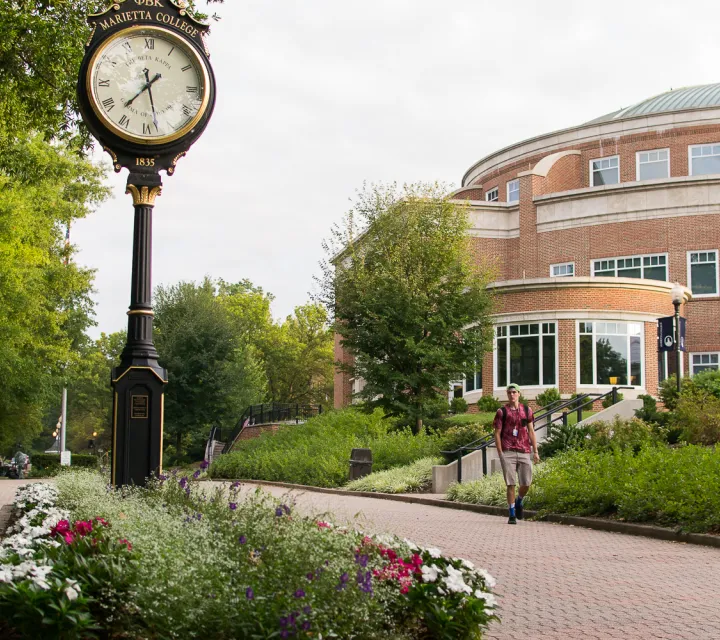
(21,462)
(515,440)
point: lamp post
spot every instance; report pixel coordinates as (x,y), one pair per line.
(678,293)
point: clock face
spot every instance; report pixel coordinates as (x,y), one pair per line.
(148,85)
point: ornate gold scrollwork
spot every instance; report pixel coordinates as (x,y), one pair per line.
(116,164)
(171,168)
(143,195)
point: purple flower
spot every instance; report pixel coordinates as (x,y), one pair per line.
(362,560)
(235,485)
(204,464)
(307,609)
(284,633)
(283,622)
(196,475)
(187,491)
(305,626)
(344,577)
(242,539)
(278,512)
(285,508)
(299,593)
(233,506)
(249,593)
(163,477)
(183,482)
(309,576)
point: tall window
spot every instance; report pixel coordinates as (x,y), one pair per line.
(563,269)
(703,273)
(492,195)
(610,353)
(703,362)
(651,267)
(605,171)
(473,379)
(652,165)
(513,191)
(526,354)
(704,159)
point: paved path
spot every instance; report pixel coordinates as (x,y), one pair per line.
(554,582)
(7,494)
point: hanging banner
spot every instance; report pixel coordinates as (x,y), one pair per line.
(666,333)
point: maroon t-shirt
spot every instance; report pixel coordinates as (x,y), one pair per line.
(513,421)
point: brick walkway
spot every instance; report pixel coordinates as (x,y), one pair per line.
(7,494)
(554,582)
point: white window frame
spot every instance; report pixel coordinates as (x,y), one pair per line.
(717,274)
(637,162)
(540,352)
(594,345)
(690,157)
(642,256)
(703,353)
(516,181)
(494,191)
(592,171)
(465,379)
(562,275)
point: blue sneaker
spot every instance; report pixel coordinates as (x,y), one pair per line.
(519,509)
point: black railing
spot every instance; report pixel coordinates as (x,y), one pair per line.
(272,412)
(574,405)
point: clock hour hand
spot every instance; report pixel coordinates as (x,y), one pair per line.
(152,104)
(145,86)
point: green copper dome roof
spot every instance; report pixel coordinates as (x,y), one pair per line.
(700,97)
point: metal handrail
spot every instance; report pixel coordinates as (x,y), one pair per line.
(482,444)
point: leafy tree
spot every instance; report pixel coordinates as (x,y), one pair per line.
(408,297)
(46,303)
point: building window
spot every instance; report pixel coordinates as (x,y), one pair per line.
(650,267)
(704,159)
(610,353)
(513,191)
(703,362)
(526,354)
(605,171)
(492,195)
(563,269)
(703,273)
(473,379)
(652,165)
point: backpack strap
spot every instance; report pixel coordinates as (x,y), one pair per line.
(504,414)
(527,412)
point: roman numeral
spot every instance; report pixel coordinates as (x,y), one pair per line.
(187,111)
(104,83)
(146,128)
(127,46)
(170,52)
(186,67)
(150,43)
(124,121)
(108,103)
(191,89)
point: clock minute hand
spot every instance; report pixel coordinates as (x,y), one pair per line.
(145,86)
(152,104)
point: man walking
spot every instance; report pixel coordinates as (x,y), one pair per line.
(515,440)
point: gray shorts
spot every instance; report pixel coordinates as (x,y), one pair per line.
(517,465)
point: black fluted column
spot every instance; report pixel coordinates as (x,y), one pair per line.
(139,381)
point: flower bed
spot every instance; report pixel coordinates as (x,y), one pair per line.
(174,561)
(413,477)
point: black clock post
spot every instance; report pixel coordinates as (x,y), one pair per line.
(128,59)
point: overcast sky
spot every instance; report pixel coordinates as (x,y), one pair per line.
(316,97)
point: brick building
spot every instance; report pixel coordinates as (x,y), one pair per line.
(589,228)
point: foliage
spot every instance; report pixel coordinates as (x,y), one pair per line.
(488,403)
(458,405)
(488,490)
(667,390)
(414,477)
(318,452)
(564,437)
(247,565)
(548,397)
(485,418)
(608,400)
(697,416)
(47,464)
(45,296)
(660,484)
(408,298)
(462,435)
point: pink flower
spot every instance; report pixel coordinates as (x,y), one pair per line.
(126,543)
(69,537)
(101,521)
(323,525)
(83,527)
(60,528)
(404,589)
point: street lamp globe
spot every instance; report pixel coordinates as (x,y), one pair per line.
(678,293)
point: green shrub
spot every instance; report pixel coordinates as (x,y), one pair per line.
(619,434)
(411,478)
(488,403)
(659,484)
(437,408)
(318,452)
(563,438)
(488,490)
(48,464)
(548,397)
(462,435)
(608,400)
(697,417)
(458,405)
(708,381)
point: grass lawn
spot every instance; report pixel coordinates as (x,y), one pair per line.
(471,418)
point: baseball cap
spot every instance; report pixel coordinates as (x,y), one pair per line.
(512,385)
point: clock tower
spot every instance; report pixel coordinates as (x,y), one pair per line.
(146,91)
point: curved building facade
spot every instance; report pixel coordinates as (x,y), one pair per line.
(589,228)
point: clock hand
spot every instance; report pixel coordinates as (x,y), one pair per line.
(152,104)
(145,86)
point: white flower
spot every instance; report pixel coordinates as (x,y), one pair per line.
(489,598)
(467,564)
(411,545)
(6,573)
(434,553)
(455,582)
(72,590)
(429,574)
(489,580)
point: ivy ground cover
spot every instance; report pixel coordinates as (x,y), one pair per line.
(173,561)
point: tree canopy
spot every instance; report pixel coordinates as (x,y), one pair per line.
(407,295)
